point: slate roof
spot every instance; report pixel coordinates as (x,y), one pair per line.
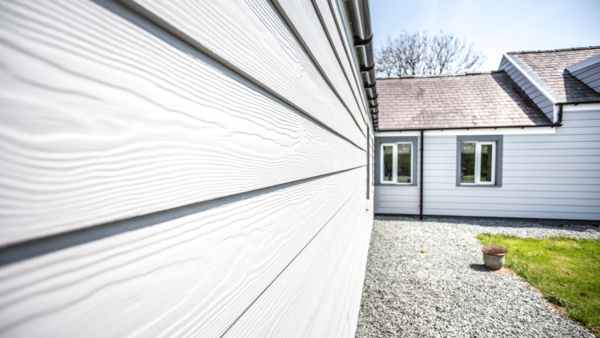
(549,65)
(469,100)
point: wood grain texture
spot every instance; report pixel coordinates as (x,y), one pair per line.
(252,37)
(308,28)
(336,22)
(341,44)
(104,117)
(192,276)
(318,295)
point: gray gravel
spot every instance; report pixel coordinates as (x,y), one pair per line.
(446,291)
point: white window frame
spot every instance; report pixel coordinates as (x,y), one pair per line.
(395,163)
(478,145)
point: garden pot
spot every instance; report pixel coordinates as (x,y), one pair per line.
(493,262)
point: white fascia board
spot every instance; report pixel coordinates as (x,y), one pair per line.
(583,64)
(397,133)
(486,131)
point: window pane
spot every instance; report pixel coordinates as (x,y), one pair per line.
(404,159)
(388,154)
(486,163)
(467,162)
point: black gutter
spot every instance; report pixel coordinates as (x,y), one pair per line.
(467,128)
(422,165)
(560,108)
(576,103)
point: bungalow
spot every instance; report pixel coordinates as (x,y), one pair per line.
(522,141)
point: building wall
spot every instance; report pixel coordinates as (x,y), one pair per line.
(545,175)
(194,169)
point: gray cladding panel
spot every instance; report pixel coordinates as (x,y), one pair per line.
(540,100)
(590,76)
(544,176)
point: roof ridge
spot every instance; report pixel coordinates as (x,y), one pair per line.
(554,50)
(439,75)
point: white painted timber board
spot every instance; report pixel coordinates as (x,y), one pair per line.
(340,44)
(252,37)
(190,276)
(105,117)
(305,20)
(319,294)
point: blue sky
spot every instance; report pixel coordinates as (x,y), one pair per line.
(495,27)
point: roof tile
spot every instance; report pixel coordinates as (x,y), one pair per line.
(484,99)
(549,67)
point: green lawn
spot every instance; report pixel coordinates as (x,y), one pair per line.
(566,270)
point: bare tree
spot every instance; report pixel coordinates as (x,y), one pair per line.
(420,54)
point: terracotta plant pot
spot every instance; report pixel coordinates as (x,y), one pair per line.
(493,262)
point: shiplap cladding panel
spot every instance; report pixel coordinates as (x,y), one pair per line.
(282,310)
(329,13)
(253,37)
(554,176)
(96,132)
(194,276)
(398,199)
(108,112)
(306,21)
(529,88)
(590,76)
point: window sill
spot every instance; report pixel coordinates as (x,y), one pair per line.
(479,185)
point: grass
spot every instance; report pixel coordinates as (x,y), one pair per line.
(566,270)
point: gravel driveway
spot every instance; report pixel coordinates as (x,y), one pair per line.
(446,291)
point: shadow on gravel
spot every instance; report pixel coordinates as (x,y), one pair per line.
(502,222)
(479,267)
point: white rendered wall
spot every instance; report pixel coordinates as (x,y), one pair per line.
(228,140)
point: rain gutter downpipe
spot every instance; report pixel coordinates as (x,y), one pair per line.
(422,165)
(360,25)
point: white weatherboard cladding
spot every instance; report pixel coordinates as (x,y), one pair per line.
(126,132)
(306,22)
(108,114)
(194,276)
(529,87)
(553,176)
(253,38)
(291,304)
(590,75)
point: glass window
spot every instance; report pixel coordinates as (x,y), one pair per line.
(485,173)
(388,162)
(477,162)
(397,166)
(467,162)
(404,162)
